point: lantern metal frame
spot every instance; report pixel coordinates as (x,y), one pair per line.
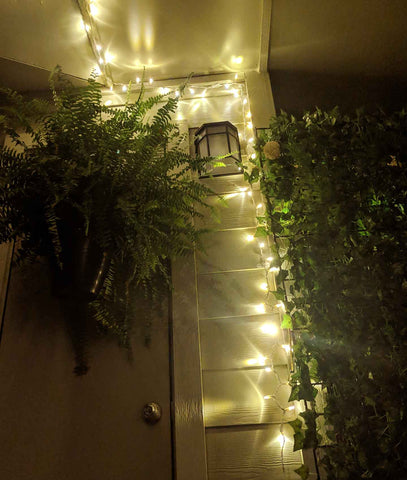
(202,135)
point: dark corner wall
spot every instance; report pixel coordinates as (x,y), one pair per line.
(326,53)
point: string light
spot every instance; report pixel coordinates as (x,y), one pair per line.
(150,81)
(286,348)
(124,88)
(261,308)
(176,93)
(191,91)
(250,238)
(264,286)
(259,205)
(274,269)
(251,140)
(253,156)
(250,125)
(290,408)
(269,329)
(108,102)
(245,101)
(98,47)
(138,80)
(267,397)
(93,9)
(268,369)
(248,115)
(269,259)
(262,245)
(109,57)
(87,27)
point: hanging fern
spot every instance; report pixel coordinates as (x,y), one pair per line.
(121,171)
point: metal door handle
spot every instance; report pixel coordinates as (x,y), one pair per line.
(152,412)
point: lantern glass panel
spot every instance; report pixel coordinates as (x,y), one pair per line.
(218,144)
(203,148)
(234,146)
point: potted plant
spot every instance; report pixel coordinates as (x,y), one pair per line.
(107,194)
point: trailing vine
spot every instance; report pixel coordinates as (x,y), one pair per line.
(336,191)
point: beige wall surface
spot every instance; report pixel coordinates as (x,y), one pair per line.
(55,425)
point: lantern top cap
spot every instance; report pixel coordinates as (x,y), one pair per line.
(215,124)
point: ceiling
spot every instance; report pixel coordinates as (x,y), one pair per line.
(170,38)
(328,52)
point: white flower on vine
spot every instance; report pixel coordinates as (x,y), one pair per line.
(271,150)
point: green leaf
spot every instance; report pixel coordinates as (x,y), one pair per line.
(261,232)
(303,472)
(287,322)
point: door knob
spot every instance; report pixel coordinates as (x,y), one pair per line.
(152,412)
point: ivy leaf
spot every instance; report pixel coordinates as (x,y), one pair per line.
(287,322)
(303,472)
(294,393)
(261,232)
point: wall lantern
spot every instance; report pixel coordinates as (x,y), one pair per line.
(219,138)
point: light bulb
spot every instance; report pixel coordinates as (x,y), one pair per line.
(268,369)
(274,269)
(137,80)
(191,91)
(248,115)
(101,61)
(251,140)
(227,85)
(290,408)
(261,308)
(280,305)
(124,88)
(262,245)
(264,286)
(111,88)
(250,238)
(98,47)
(267,397)
(176,93)
(281,439)
(93,9)
(236,76)
(253,156)
(237,59)
(150,81)
(269,259)
(269,329)
(250,125)
(87,27)
(259,205)
(109,57)
(286,348)
(244,101)
(108,102)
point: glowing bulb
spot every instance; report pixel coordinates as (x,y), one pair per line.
(93,9)
(251,361)
(281,439)
(253,156)
(191,91)
(261,360)
(268,369)
(176,93)
(227,85)
(98,47)
(108,102)
(87,27)
(250,125)
(248,115)
(203,93)
(150,81)
(244,101)
(101,61)
(269,259)
(238,60)
(250,193)
(262,245)
(240,169)
(236,76)
(259,205)
(250,238)
(267,397)
(274,269)
(281,305)
(235,93)
(251,140)
(124,88)
(264,286)
(261,308)
(111,88)
(109,57)
(269,329)
(137,80)
(290,408)
(286,348)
